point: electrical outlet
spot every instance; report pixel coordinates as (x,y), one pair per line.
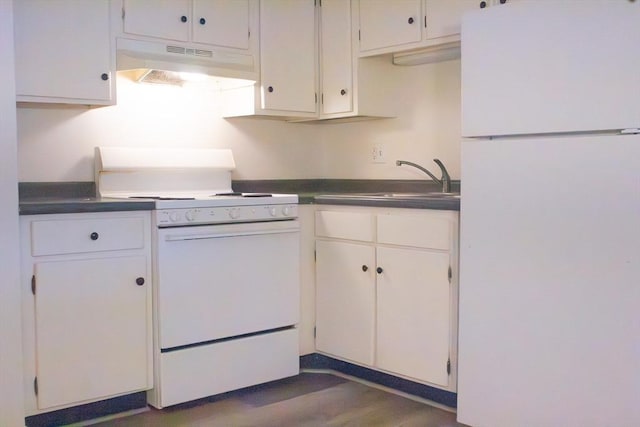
(378,154)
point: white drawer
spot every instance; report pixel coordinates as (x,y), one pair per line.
(422,231)
(66,236)
(345,225)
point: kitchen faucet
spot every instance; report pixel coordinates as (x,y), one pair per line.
(445,181)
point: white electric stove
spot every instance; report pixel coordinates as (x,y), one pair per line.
(225,271)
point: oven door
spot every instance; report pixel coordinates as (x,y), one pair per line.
(222,281)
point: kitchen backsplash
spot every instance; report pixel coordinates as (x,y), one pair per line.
(56,143)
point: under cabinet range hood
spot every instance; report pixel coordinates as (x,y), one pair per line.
(146,55)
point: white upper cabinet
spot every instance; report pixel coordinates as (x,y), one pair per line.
(388,23)
(168,19)
(288,55)
(64,52)
(507,48)
(222,23)
(288,65)
(394,26)
(336,57)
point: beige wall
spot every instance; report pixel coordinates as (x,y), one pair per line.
(56,144)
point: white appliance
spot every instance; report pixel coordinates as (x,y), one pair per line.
(226,271)
(549,331)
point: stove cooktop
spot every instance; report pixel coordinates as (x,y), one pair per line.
(228,199)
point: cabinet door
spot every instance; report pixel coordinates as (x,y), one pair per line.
(167,19)
(413,316)
(386,23)
(336,57)
(221,23)
(444,17)
(91,329)
(345,300)
(63,51)
(288,55)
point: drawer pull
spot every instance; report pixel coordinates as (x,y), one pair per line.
(365,268)
(94,236)
(140,281)
(379,270)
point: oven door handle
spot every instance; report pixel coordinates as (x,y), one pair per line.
(195,236)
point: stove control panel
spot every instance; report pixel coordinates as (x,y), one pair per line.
(174,217)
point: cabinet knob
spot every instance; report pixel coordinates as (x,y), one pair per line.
(203,21)
(94,236)
(183,18)
(365,268)
(140,281)
(270,89)
(104,76)
(343,92)
(379,270)
(503,1)
(483,4)
(410,20)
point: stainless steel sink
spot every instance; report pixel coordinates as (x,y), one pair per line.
(398,196)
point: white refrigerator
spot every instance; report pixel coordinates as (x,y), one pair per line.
(549,328)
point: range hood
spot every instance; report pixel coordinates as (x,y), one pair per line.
(139,54)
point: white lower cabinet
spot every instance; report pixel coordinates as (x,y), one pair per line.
(386,290)
(86,307)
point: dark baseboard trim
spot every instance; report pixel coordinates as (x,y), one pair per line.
(320,361)
(89,411)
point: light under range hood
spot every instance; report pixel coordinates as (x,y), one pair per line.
(235,69)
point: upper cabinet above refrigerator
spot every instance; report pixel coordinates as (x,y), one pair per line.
(575,88)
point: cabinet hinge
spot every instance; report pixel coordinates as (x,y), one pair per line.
(449,274)
(33,284)
(249,34)
(315,255)
(322,99)
(449,366)
(425,21)
(359,35)
(35,385)
(314,331)
(123,13)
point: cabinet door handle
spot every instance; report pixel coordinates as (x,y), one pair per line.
(365,268)
(104,76)
(183,18)
(343,92)
(270,89)
(410,20)
(94,236)
(483,4)
(140,281)
(203,21)
(379,270)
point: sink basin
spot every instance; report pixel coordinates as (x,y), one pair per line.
(399,196)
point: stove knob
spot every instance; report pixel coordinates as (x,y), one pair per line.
(286,211)
(234,213)
(190,215)
(174,216)
(273,211)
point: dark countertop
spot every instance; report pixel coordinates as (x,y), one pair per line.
(71,197)
(77,197)
(56,205)
(440,203)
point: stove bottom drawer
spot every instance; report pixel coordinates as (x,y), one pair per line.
(202,371)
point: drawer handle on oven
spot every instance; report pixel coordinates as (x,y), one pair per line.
(179,237)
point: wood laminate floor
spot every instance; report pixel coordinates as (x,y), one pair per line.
(309,399)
